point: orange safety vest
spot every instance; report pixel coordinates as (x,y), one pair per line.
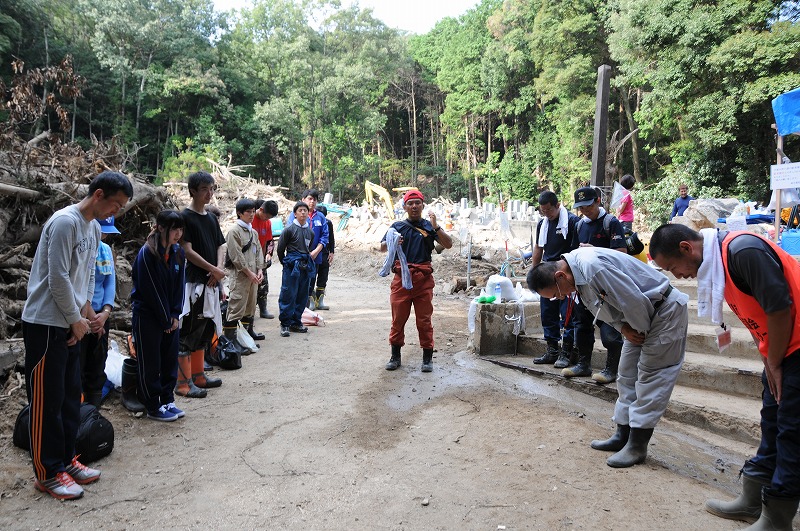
(747,308)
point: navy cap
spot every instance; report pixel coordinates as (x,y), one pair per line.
(585,196)
(107,226)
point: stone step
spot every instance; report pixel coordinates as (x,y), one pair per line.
(702,338)
(734,417)
(724,374)
(728,317)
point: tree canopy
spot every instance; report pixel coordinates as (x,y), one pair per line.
(495,104)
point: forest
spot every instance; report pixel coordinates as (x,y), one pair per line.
(495,104)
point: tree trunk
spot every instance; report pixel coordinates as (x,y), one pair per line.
(141,91)
(632,125)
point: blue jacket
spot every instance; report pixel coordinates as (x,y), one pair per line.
(105,278)
(319,225)
(158,284)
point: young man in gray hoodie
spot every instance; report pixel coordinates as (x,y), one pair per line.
(58,313)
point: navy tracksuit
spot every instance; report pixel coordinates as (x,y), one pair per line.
(157,299)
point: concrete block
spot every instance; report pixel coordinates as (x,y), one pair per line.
(494,332)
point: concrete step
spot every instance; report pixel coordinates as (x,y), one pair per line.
(734,417)
(724,374)
(728,317)
(702,338)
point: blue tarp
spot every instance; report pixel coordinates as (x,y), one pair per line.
(786,108)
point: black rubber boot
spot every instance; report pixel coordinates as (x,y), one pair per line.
(262,309)
(394,361)
(776,513)
(563,356)
(582,368)
(229,329)
(616,442)
(634,452)
(609,374)
(248,325)
(550,356)
(130,381)
(427,359)
(320,292)
(747,507)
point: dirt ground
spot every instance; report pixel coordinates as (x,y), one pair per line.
(313,433)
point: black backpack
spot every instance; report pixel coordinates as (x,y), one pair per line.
(95,434)
(634,244)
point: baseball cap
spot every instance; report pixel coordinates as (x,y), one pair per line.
(413,194)
(585,196)
(107,226)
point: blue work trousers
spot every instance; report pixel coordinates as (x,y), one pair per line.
(778,457)
(298,269)
(553,315)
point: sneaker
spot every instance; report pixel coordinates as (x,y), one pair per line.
(171,408)
(82,474)
(61,487)
(300,329)
(603,377)
(285,331)
(162,414)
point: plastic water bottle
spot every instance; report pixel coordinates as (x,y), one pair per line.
(498,292)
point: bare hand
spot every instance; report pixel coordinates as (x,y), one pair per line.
(774,379)
(635,337)
(97,325)
(432,217)
(315,253)
(330,259)
(173,327)
(78,330)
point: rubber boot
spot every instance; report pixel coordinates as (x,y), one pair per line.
(229,330)
(582,368)
(320,298)
(185,386)
(747,507)
(130,381)
(634,452)
(563,356)
(248,325)
(609,374)
(312,304)
(776,513)
(262,309)
(616,442)
(394,361)
(427,360)
(550,356)
(198,372)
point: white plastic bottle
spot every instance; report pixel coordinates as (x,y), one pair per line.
(498,292)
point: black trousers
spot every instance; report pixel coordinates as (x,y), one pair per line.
(94,351)
(53,385)
(157,357)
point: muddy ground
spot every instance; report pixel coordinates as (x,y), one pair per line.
(313,433)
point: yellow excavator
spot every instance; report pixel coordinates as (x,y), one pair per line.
(371,188)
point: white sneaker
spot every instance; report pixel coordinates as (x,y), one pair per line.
(82,474)
(62,487)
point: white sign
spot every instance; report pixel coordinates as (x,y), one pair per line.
(734,223)
(784,176)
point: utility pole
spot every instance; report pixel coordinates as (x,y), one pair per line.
(600,126)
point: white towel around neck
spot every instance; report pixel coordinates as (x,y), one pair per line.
(711,278)
(562,226)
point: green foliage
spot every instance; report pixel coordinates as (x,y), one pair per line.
(188,159)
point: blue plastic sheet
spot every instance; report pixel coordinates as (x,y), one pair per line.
(786,108)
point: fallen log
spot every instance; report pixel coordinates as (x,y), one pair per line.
(18,191)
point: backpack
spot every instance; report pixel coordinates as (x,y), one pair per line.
(95,437)
(632,241)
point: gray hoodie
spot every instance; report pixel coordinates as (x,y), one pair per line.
(62,274)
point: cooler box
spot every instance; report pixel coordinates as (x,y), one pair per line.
(277,226)
(790,241)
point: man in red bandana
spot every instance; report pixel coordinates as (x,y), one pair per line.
(412,240)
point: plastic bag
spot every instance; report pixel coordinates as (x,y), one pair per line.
(114,364)
(310,318)
(471,314)
(248,343)
(789,198)
(617,195)
(506,287)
